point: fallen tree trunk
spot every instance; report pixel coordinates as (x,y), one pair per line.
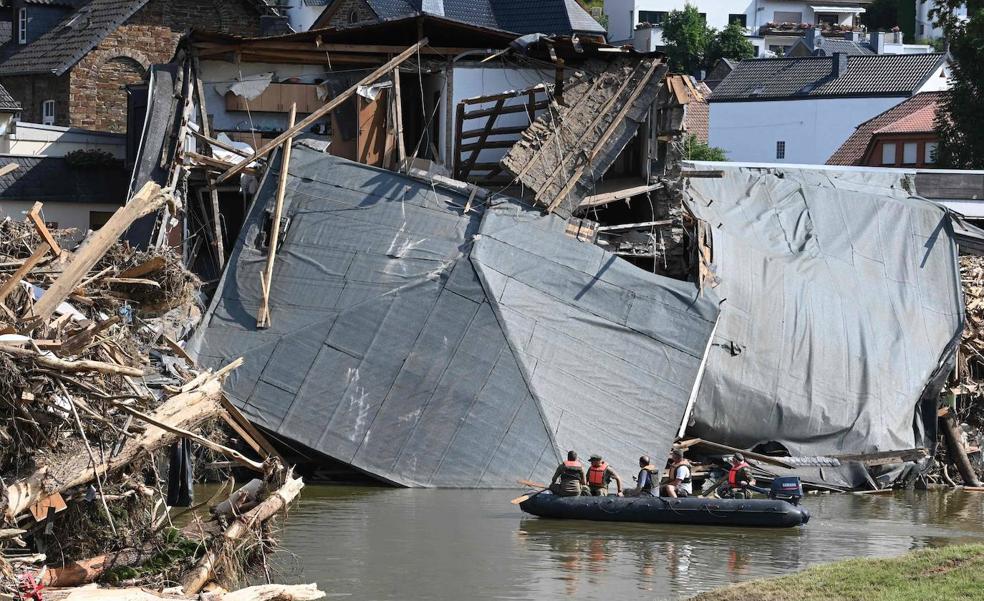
(186,410)
(194,580)
(954,444)
(266,592)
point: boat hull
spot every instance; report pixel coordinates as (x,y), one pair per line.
(762,513)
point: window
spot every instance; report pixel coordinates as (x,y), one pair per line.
(741,18)
(909,150)
(654,17)
(781,149)
(97,219)
(787,17)
(888,154)
(48,112)
(930,151)
(827,19)
(22,26)
(354,17)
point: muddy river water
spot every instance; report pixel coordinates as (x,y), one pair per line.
(387,544)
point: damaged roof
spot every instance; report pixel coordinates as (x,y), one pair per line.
(812,77)
(430,346)
(67,43)
(564,17)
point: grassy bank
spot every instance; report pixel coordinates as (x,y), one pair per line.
(946,573)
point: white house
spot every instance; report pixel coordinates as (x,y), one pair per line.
(773,24)
(800,110)
(925,24)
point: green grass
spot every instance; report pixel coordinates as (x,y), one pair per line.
(945,573)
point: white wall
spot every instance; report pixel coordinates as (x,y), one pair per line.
(36,139)
(73,215)
(472,79)
(938,81)
(925,27)
(812,129)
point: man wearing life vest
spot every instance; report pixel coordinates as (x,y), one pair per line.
(680,476)
(600,475)
(571,476)
(740,476)
(648,480)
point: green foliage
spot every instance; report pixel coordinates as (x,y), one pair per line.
(687,38)
(952,573)
(695,150)
(958,120)
(91,158)
(731,43)
(883,15)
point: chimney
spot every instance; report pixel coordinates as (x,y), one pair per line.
(812,35)
(876,39)
(839,64)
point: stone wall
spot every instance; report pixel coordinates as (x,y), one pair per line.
(350,12)
(31,90)
(98,82)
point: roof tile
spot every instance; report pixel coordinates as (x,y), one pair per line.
(852,150)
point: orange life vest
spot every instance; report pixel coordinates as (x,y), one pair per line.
(596,475)
(733,474)
(572,470)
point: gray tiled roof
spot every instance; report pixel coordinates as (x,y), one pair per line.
(7,102)
(60,48)
(57,50)
(828,46)
(787,78)
(52,179)
(517,16)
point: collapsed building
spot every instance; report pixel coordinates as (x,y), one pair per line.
(439,282)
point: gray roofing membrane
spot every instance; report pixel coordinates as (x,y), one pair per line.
(432,347)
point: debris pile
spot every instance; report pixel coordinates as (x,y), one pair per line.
(106,424)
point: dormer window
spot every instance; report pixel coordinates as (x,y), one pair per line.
(22,26)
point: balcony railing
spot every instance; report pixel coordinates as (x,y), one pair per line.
(800,29)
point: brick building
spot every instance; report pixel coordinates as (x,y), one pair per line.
(68,62)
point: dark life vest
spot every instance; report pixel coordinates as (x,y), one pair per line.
(733,474)
(572,470)
(688,479)
(597,476)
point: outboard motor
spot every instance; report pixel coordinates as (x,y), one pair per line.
(787,488)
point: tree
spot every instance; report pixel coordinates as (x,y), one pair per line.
(882,15)
(695,150)
(731,43)
(958,120)
(687,38)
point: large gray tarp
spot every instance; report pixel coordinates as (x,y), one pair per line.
(842,303)
(433,347)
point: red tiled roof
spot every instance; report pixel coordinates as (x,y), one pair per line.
(902,116)
(697,119)
(919,122)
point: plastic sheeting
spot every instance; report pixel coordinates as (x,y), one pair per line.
(842,307)
(432,347)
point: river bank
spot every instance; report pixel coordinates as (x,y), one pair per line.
(951,573)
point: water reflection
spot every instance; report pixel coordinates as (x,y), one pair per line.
(411,544)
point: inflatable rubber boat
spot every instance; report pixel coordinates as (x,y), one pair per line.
(780,510)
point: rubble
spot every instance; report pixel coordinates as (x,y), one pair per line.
(97,396)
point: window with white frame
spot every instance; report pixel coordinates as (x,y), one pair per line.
(48,112)
(781,149)
(909,152)
(22,26)
(888,154)
(930,152)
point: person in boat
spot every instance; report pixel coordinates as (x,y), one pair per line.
(740,477)
(680,476)
(600,475)
(569,479)
(647,482)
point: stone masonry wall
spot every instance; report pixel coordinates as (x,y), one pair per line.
(350,12)
(97,98)
(31,90)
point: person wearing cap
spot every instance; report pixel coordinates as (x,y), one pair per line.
(600,475)
(680,476)
(571,476)
(740,476)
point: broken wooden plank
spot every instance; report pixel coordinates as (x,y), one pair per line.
(149,266)
(35,216)
(23,270)
(263,315)
(401,147)
(477,146)
(146,201)
(83,365)
(52,503)
(729,449)
(634,226)
(8,169)
(713,173)
(324,110)
(598,200)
